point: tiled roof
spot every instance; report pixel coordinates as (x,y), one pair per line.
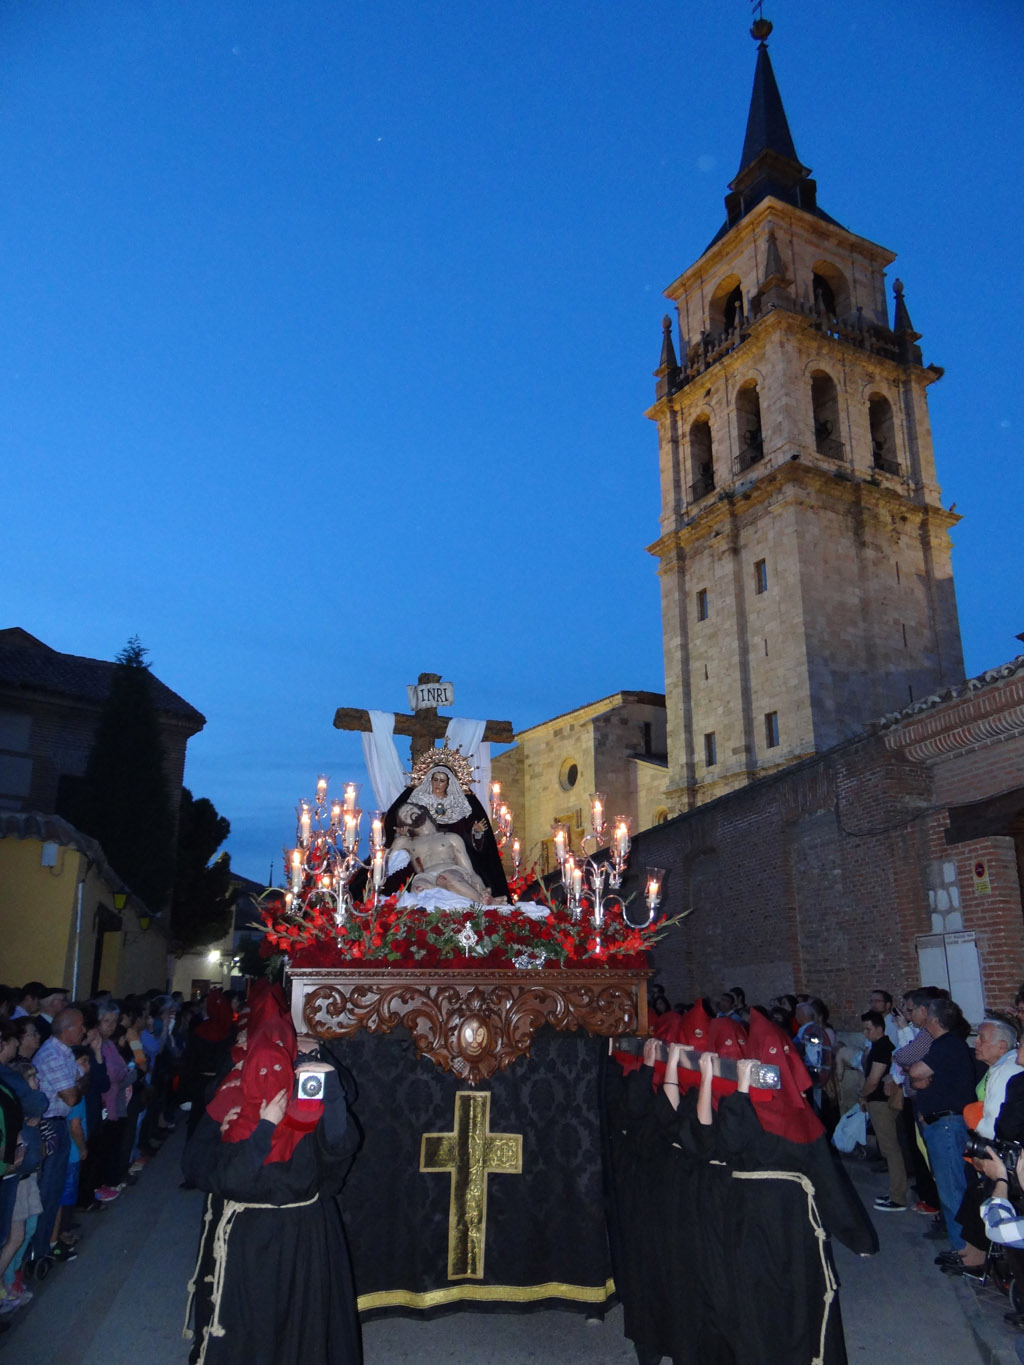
(28,665)
(990,678)
(32,824)
(614,699)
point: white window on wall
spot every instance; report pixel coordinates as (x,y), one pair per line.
(951,961)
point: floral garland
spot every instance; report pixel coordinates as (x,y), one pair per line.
(383,934)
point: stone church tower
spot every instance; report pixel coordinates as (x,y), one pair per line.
(804,553)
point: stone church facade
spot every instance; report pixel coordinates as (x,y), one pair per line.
(804,555)
(839,810)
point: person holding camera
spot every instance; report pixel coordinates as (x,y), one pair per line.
(272,1150)
(1003,1220)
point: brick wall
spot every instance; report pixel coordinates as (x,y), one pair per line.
(820,877)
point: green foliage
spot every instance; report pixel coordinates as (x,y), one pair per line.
(124,800)
(203,901)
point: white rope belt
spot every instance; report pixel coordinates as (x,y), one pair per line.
(831,1283)
(221,1233)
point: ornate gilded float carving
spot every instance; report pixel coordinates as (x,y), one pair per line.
(470,1023)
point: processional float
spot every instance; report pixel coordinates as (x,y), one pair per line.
(476,1031)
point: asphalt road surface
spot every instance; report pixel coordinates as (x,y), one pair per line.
(122,1302)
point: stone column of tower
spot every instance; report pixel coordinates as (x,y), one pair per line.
(804,553)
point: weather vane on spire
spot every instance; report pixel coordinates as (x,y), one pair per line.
(761,26)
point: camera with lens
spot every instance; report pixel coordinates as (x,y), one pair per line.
(1007,1152)
(311,1080)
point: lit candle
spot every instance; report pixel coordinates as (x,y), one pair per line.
(495,796)
(597,813)
(577,882)
(335,815)
(351,836)
(378,869)
(621,837)
(377,831)
(655,877)
(351,791)
(321,789)
(560,849)
(304,824)
(296,871)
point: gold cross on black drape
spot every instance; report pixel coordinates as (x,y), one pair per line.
(470,1154)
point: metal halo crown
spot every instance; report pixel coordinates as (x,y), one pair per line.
(452,759)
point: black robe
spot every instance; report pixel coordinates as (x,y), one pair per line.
(670,1214)
(780,1298)
(286,1293)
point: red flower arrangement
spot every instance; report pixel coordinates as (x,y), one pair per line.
(382,934)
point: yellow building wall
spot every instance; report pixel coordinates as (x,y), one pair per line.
(44,937)
(36,905)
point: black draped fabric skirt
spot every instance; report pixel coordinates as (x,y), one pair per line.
(544,1240)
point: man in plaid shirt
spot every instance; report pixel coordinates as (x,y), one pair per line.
(63,1084)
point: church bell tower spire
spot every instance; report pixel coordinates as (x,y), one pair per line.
(804,553)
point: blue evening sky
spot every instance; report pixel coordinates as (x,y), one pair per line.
(327,328)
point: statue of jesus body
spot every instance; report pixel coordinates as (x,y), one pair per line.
(440,859)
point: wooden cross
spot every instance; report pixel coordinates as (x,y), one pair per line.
(470,1154)
(423,727)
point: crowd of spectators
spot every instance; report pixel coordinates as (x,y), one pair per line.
(90,1089)
(88,1093)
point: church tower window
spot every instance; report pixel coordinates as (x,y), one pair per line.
(771,729)
(725,307)
(883,434)
(825,403)
(761,577)
(824,299)
(702,460)
(748,426)
(710,750)
(702,604)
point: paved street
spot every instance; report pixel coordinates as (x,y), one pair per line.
(122,1301)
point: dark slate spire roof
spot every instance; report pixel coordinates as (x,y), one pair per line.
(769,164)
(668,351)
(906,337)
(901,316)
(767,125)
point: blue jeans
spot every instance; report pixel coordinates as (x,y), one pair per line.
(51,1187)
(945,1140)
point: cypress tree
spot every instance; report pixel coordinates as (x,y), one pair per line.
(203,903)
(124,800)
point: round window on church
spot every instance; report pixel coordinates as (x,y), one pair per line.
(568,775)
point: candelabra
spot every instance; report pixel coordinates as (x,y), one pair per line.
(586,874)
(326,856)
(501,822)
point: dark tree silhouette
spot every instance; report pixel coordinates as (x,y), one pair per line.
(203,901)
(124,800)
